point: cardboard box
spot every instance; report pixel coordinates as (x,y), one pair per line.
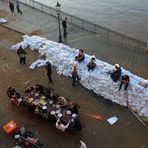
(10,127)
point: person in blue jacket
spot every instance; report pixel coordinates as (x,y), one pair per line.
(116,74)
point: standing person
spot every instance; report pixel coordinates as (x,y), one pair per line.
(49,71)
(11,6)
(74,74)
(22,55)
(64,24)
(18,7)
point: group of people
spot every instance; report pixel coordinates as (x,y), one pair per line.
(116,75)
(12,6)
(42,110)
(79,58)
(26,138)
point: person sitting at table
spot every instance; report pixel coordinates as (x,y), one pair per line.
(91,65)
(77,125)
(10,91)
(73,107)
(80,57)
(37,111)
(124,80)
(62,101)
(14,100)
(52,119)
(39,89)
(54,97)
(41,112)
(44,111)
(47,91)
(61,126)
(116,74)
(31,108)
(28,89)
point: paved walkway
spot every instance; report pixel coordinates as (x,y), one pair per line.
(35,22)
(94,133)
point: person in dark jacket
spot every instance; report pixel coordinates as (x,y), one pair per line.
(18,7)
(116,74)
(11,6)
(64,24)
(80,57)
(124,80)
(22,55)
(49,71)
(73,107)
(11,91)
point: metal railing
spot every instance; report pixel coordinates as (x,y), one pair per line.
(108,34)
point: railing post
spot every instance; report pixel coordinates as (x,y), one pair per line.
(107,34)
(42,7)
(122,40)
(33,3)
(51,11)
(71,19)
(94,28)
(83,24)
(61,18)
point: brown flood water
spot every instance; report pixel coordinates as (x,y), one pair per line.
(128,132)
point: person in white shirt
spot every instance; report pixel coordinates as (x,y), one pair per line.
(83,145)
(62,102)
(61,126)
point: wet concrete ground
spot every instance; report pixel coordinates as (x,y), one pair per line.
(128,132)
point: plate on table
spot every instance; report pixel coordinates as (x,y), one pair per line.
(58,111)
(52,112)
(59,115)
(43,102)
(57,106)
(51,102)
(36,94)
(30,100)
(32,93)
(43,97)
(44,107)
(74,115)
(68,112)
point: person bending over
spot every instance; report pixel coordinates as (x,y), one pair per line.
(61,126)
(62,101)
(124,80)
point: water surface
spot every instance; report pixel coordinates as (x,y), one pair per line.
(126,16)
